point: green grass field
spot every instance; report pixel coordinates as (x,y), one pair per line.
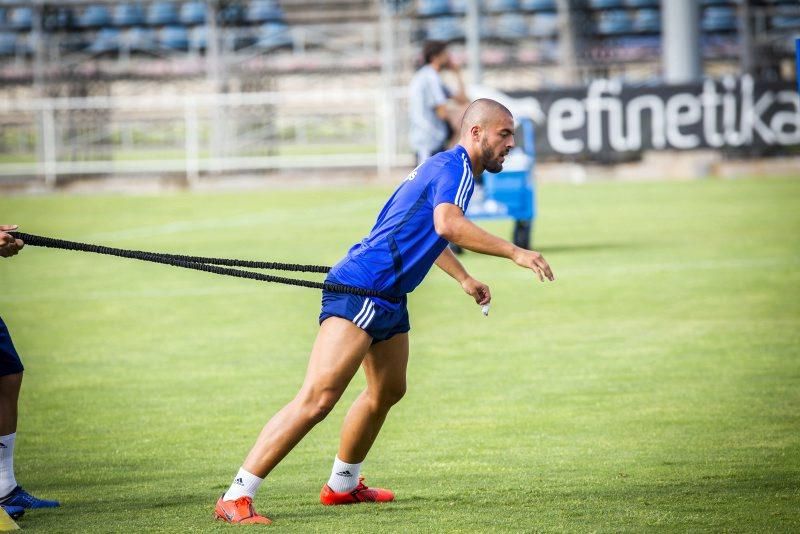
(655,386)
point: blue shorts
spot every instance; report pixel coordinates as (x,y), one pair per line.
(10,364)
(367,313)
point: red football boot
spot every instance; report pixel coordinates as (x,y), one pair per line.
(361,493)
(240,511)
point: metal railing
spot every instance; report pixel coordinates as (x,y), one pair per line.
(196,135)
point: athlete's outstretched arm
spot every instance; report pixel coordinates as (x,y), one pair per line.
(451,224)
(448,262)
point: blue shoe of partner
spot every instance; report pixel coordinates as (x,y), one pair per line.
(14,512)
(21,498)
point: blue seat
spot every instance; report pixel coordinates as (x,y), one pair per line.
(57,19)
(718,19)
(198,38)
(141,40)
(21,18)
(193,13)
(128,15)
(263,11)
(94,16)
(273,35)
(231,14)
(544,25)
(433,8)
(606,4)
(714,2)
(643,3)
(445,29)
(537,5)
(501,6)
(162,14)
(174,38)
(106,41)
(786,17)
(458,7)
(510,26)
(8,44)
(614,23)
(647,21)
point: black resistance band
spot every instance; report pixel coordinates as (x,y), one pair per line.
(209,265)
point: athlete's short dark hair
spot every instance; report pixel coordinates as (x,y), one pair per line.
(432,49)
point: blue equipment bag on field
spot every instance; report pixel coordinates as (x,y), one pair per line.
(511,192)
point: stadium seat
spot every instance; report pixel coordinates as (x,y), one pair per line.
(193,13)
(501,6)
(445,29)
(231,14)
(432,8)
(141,40)
(273,35)
(647,21)
(128,15)
(717,19)
(786,17)
(458,7)
(8,44)
(174,38)
(198,38)
(537,5)
(614,22)
(263,11)
(162,14)
(106,41)
(632,48)
(714,2)
(544,25)
(94,16)
(643,3)
(606,4)
(57,19)
(510,27)
(20,18)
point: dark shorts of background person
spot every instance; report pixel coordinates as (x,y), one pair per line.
(10,364)
(378,321)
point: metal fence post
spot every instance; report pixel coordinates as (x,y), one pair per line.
(49,155)
(192,137)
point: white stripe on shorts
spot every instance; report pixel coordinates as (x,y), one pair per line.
(366,322)
(364,307)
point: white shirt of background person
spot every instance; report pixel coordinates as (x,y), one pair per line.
(427,131)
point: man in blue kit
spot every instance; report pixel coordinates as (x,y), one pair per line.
(411,234)
(13,498)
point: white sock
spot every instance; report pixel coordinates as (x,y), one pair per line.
(344,476)
(245,484)
(7,480)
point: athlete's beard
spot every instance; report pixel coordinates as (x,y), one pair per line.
(488,159)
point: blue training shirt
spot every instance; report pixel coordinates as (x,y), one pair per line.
(403,244)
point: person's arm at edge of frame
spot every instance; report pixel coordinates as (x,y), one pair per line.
(448,262)
(8,245)
(451,224)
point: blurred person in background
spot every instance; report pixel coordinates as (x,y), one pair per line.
(13,499)
(434,111)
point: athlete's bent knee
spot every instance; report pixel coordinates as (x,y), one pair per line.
(319,405)
(389,396)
